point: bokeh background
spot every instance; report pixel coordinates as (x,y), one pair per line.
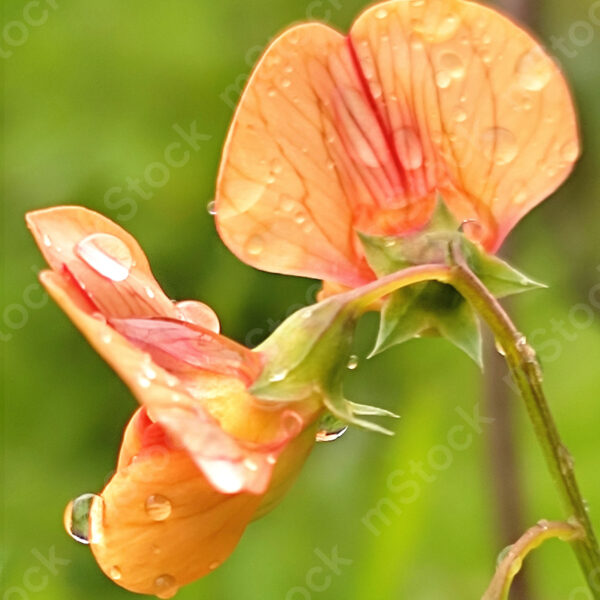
(92,97)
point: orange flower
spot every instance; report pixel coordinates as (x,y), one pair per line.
(202,457)
(337,134)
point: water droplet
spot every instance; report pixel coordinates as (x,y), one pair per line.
(291,422)
(271,459)
(250,464)
(499,145)
(171,380)
(286,83)
(211,207)
(460,114)
(276,167)
(143,382)
(83,517)
(279,375)
(503,554)
(213,565)
(567,462)
(326,435)
(287,203)
(543,524)
(47,241)
(149,292)
(570,151)
(409,148)
(381,13)
(438,25)
(107,255)
(106,335)
(115,573)
(534,70)
(300,218)
(271,179)
(271,92)
(499,348)
(165,586)
(158,508)
(255,245)
(453,64)
(473,229)
(288,69)
(352,362)
(149,372)
(443,79)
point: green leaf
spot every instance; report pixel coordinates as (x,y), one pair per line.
(429,309)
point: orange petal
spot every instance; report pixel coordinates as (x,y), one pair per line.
(229,437)
(164,525)
(334,134)
(282,203)
(104,259)
(478,97)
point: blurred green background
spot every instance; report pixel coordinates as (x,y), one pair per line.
(91,98)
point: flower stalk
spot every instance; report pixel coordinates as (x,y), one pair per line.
(526,372)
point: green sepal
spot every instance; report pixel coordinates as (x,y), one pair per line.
(350,413)
(434,308)
(425,309)
(500,278)
(307,353)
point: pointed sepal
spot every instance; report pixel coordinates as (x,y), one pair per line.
(426,309)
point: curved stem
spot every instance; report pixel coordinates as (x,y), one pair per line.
(512,562)
(526,372)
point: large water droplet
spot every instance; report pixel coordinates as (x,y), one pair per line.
(107,255)
(499,145)
(158,507)
(352,362)
(165,586)
(47,241)
(534,70)
(381,13)
(213,565)
(83,518)
(198,313)
(453,64)
(255,245)
(115,573)
(409,148)
(211,207)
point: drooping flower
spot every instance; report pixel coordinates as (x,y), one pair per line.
(337,134)
(201,457)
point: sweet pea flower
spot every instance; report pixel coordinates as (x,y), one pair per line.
(201,458)
(338,134)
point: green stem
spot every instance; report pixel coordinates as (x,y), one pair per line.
(512,562)
(526,372)
(525,369)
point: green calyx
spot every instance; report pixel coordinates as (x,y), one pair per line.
(308,354)
(433,308)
